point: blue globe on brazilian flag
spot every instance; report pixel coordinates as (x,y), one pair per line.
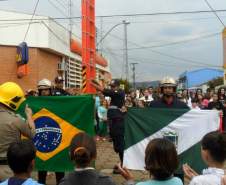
(57,119)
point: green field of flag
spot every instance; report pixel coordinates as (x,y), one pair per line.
(57,120)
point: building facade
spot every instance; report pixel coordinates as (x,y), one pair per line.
(190,79)
(49,51)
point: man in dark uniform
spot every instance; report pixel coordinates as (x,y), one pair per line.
(58,89)
(45,89)
(168,100)
(115,115)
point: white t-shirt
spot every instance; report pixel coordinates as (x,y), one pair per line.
(211,176)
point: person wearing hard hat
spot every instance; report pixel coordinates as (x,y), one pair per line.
(12,126)
(44,87)
(168,88)
(58,90)
(168,100)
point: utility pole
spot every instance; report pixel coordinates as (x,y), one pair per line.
(70,18)
(101,34)
(134,74)
(224,53)
(125,58)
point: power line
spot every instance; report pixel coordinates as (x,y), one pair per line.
(31,20)
(60,39)
(174,43)
(62,12)
(121,15)
(160,13)
(214,12)
(164,21)
(62,4)
(171,56)
(117,60)
(157,62)
(57,8)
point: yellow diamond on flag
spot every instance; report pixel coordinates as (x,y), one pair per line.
(53,134)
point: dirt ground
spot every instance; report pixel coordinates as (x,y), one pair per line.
(106,159)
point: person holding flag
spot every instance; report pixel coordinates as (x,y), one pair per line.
(168,88)
(12,126)
(168,100)
(45,89)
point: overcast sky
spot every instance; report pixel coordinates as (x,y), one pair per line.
(203,46)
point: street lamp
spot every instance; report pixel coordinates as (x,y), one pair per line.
(125,58)
(106,34)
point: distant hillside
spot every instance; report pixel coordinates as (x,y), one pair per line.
(147,84)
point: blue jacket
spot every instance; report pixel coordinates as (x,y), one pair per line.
(29,181)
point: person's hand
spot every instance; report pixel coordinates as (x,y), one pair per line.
(28,111)
(189,172)
(96,85)
(125,173)
(223,180)
(123,109)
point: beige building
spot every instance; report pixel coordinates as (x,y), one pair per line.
(49,51)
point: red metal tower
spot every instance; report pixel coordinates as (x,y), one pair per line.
(88,45)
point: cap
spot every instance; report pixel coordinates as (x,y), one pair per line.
(59,79)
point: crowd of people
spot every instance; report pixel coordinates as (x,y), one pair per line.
(112,103)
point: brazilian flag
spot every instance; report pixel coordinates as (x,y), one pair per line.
(57,119)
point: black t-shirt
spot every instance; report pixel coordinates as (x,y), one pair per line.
(117,97)
(176,104)
(60,92)
(215,105)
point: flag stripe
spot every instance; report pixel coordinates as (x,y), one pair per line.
(190,128)
(141,123)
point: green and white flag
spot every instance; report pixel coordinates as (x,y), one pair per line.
(183,126)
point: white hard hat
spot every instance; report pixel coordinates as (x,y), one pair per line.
(44,84)
(168,81)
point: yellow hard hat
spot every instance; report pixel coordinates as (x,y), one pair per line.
(11,95)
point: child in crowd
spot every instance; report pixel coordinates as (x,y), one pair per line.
(161,161)
(20,157)
(83,153)
(213,152)
(194,104)
(102,114)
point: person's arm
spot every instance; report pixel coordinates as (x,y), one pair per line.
(189,172)
(27,128)
(96,85)
(106,92)
(223,180)
(125,173)
(99,113)
(30,121)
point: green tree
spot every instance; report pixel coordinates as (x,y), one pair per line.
(125,84)
(215,82)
